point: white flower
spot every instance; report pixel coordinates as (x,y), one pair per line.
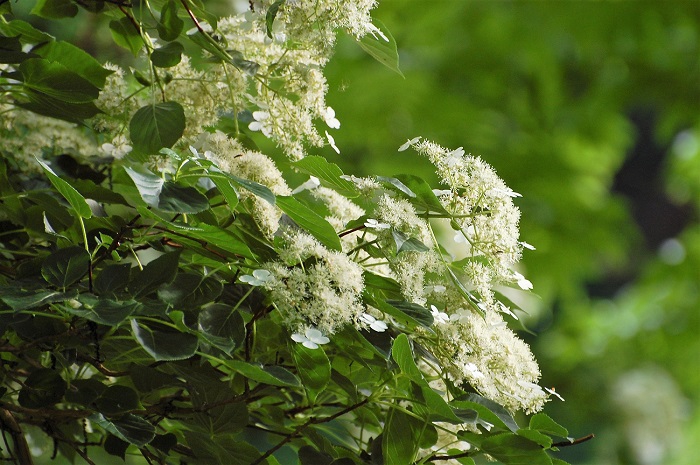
(554,393)
(438,316)
(374,224)
(409,143)
(331,141)
(118,148)
(459,238)
(527,246)
(524,284)
(329,117)
(377,325)
(454,157)
(441,192)
(260,123)
(311,184)
(471,368)
(258,278)
(311,338)
(374,30)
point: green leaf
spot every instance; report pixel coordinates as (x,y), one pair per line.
(402,354)
(168,55)
(84,391)
(185,285)
(487,410)
(535,436)
(43,387)
(400,439)
(222,325)
(74,59)
(512,449)
(46,105)
(156,126)
(222,449)
(417,312)
(258,189)
(314,369)
(117,399)
(105,311)
(130,428)
(27,33)
(56,81)
(424,199)
(174,198)
(20,299)
(162,345)
(170,25)
(160,271)
(271,15)
(148,184)
(544,423)
(147,379)
(327,172)
(112,279)
(227,190)
(65,266)
(385,52)
(406,244)
(11,50)
(77,201)
(311,221)
(398,186)
(55,9)
(115,446)
(383,283)
(274,375)
(125,34)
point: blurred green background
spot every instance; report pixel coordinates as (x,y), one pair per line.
(591,110)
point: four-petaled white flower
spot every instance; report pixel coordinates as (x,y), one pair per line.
(329,117)
(527,246)
(331,141)
(438,316)
(374,224)
(524,283)
(474,370)
(311,184)
(311,338)
(454,157)
(261,123)
(554,393)
(377,325)
(258,278)
(459,238)
(409,143)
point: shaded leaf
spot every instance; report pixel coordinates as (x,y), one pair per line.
(20,299)
(544,423)
(512,449)
(148,184)
(162,345)
(112,279)
(400,439)
(117,399)
(271,14)
(74,59)
(313,367)
(170,25)
(77,201)
(125,34)
(156,126)
(130,428)
(55,9)
(65,266)
(57,81)
(222,325)
(159,271)
(168,55)
(275,376)
(42,387)
(181,199)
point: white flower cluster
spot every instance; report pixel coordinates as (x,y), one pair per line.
(231,157)
(25,135)
(314,286)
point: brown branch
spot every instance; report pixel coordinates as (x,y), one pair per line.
(574,442)
(309,422)
(9,424)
